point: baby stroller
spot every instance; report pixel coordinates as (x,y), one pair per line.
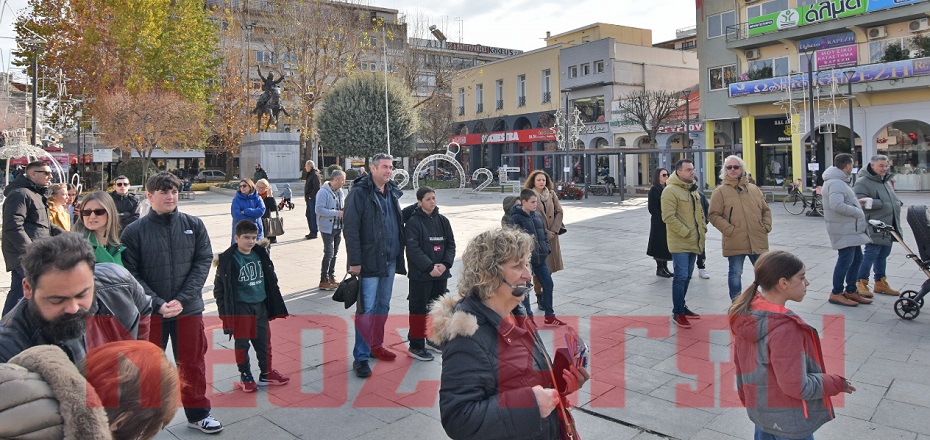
(910,302)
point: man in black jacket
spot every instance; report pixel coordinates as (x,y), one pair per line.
(311,187)
(169,253)
(430,250)
(374,237)
(73,303)
(25,218)
(127,204)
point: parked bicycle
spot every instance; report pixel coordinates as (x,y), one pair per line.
(796,202)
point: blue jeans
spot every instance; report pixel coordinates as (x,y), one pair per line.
(874,255)
(369,322)
(545,278)
(735,273)
(847,268)
(311,217)
(330,249)
(766,436)
(683,266)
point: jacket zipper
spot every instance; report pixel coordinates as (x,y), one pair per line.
(730,218)
(697,228)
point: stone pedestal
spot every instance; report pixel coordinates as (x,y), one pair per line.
(279,154)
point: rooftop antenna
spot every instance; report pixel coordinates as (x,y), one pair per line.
(461,27)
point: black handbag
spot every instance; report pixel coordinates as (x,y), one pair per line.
(562,230)
(347,292)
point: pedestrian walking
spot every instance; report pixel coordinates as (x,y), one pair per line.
(99,224)
(881,204)
(846,226)
(330,208)
(259,173)
(247,204)
(686,230)
(739,211)
(311,188)
(430,251)
(658,239)
(781,375)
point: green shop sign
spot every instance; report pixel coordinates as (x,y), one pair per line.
(826,10)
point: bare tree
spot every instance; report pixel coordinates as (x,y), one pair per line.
(149,120)
(436,121)
(649,109)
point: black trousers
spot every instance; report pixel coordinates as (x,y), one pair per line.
(260,338)
(421,294)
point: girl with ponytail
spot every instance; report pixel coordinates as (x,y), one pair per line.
(780,372)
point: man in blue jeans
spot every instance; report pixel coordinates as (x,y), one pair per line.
(685,229)
(846,226)
(374,236)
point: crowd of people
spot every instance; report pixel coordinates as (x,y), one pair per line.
(138,278)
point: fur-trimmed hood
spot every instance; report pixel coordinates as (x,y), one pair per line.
(43,395)
(448,322)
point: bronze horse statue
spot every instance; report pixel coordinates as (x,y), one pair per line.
(272,107)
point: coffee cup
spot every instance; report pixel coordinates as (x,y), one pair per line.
(868,202)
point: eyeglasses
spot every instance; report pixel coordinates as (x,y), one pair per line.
(733,167)
(122,184)
(98,212)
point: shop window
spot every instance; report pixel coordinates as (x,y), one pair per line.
(592,109)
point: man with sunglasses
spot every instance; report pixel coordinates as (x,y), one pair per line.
(127,204)
(738,209)
(25,218)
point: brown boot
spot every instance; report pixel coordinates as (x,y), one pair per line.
(862,288)
(537,286)
(332,280)
(841,299)
(325,285)
(858,298)
(881,286)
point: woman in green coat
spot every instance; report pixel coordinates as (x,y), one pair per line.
(98,221)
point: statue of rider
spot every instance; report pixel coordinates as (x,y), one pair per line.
(268,88)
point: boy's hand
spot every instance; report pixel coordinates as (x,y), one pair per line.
(171,309)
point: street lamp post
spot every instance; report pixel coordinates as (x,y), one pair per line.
(852,133)
(35,92)
(686,144)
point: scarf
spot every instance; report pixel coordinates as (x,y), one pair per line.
(544,195)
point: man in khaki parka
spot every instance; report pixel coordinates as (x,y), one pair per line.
(686,230)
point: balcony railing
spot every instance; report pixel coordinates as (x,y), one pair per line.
(500,104)
(547,97)
(479,108)
(521,101)
(461,110)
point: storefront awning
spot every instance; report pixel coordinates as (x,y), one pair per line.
(506,137)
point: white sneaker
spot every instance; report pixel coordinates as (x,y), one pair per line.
(208,425)
(703,274)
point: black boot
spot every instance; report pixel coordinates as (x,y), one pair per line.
(662,270)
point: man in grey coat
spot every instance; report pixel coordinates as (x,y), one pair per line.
(885,207)
(846,227)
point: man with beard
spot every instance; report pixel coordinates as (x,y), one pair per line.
(73,303)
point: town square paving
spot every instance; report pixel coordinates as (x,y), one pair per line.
(649,379)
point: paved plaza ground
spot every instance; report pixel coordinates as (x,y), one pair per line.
(649,378)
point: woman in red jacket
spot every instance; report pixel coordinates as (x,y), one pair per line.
(781,376)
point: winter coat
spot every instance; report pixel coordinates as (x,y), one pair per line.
(127,206)
(259,174)
(658,237)
(236,322)
(247,207)
(25,218)
(780,372)
(170,255)
(105,254)
(551,212)
(842,213)
(429,241)
(683,216)
(325,200)
(886,207)
(286,192)
(489,367)
(312,185)
(532,223)
(738,209)
(364,228)
(120,310)
(58,216)
(46,397)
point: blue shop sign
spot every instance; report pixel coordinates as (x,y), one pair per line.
(826,42)
(875,5)
(871,72)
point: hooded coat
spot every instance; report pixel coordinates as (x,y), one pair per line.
(842,213)
(489,367)
(25,218)
(247,207)
(780,372)
(429,241)
(44,396)
(237,323)
(683,216)
(363,228)
(738,209)
(886,207)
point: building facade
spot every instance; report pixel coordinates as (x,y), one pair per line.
(780,78)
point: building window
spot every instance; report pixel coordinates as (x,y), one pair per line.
(721,77)
(499,94)
(599,66)
(546,86)
(877,48)
(768,68)
(373,66)
(573,71)
(766,8)
(689,45)
(521,90)
(585,69)
(479,98)
(717,24)
(592,109)
(461,101)
(808,2)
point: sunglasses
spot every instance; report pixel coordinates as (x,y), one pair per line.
(733,167)
(122,184)
(244,186)
(98,212)
(663,175)
(47,173)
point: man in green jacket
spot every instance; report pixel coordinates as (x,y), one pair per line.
(686,230)
(885,207)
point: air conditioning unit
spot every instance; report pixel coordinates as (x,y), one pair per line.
(753,54)
(919,25)
(876,32)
